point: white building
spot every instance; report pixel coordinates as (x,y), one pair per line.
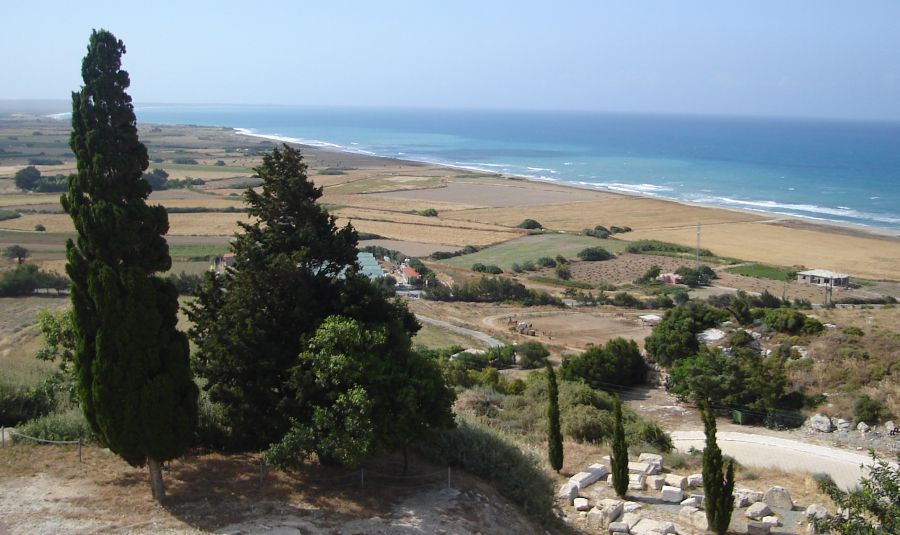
(823,277)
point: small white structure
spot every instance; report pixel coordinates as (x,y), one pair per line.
(650,319)
(823,277)
(711,336)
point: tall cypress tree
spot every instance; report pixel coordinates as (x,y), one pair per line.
(554,435)
(619,452)
(718,488)
(131,363)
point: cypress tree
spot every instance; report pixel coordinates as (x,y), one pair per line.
(619,452)
(131,364)
(718,488)
(554,435)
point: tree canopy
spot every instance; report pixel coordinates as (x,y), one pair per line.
(131,363)
(619,362)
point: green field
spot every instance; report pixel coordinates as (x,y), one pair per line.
(763,271)
(178,252)
(532,248)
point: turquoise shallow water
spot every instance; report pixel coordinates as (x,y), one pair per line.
(827,170)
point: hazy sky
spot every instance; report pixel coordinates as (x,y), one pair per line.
(828,58)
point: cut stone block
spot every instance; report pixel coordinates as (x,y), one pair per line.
(687,511)
(636,481)
(653,527)
(779,498)
(744,497)
(816,511)
(635,467)
(757,528)
(691,502)
(582,504)
(672,494)
(631,507)
(674,480)
(758,510)
(618,527)
(610,511)
(699,521)
(699,497)
(695,480)
(655,482)
(568,492)
(652,458)
(772,521)
(631,519)
(590,476)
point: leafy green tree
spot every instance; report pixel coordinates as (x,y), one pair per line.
(563,272)
(27,178)
(594,254)
(134,377)
(531,354)
(619,458)
(619,362)
(530,224)
(676,335)
(293,268)
(17,253)
(717,487)
(554,435)
(872,509)
(364,394)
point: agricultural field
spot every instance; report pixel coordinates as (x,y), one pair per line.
(763,271)
(533,247)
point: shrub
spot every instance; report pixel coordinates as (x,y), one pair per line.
(516,268)
(185,161)
(481,268)
(619,230)
(488,454)
(854,331)
(593,254)
(647,246)
(789,320)
(531,355)
(428,212)
(220,163)
(26,278)
(618,363)
(19,404)
(598,232)
(869,410)
(546,261)
(69,424)
(563,272)
(8,214)
(646,433)
(528,265)
(584,423)
(530,224)
(40,228)
(44,161)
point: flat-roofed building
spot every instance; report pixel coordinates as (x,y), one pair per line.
(823,277)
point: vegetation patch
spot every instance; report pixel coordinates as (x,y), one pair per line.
(763,271)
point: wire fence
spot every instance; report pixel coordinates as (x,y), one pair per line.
(4,432)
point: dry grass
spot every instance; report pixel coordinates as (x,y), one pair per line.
(52,222)
(192,224)
(418,220)
(15,199)
(397,204)
(431,234)
(205,201)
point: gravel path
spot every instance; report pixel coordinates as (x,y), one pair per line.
(490,341)
(843,466)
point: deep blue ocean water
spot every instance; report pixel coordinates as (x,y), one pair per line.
(841,171)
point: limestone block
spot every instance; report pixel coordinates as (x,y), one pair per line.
(687,511)
(779,498)
(772,520)
(582,504)
(674,480)
(655,482)
(757,528)
(636,481)
(568,492)
(699,521)
(758,510)
(691,502)
(699,497)
(672,494)
(636,467)
(618,527)
(610,511)
(652,458)
(842,424)
(862,427)
(820,423)
(816,511)
(631,519)
(631,507)
(653,527)
(695,480)
(590,476)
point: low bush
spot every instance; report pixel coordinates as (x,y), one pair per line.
(491,269)
(618,363)
(20,404)
(563,272)
(530,224)
(871,411)
(428,212)
(546,261)
(584,423)
(494,456)
(792,321)
(63,425)
(598,232)
(26,278)
(184,161)
(8,214)
(44,161)
(490,290)
(655,246)
(594,254)
(531,355)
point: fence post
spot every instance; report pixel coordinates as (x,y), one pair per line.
(448,478)
(362,478)
(262,469)
(80,459)
(3,435)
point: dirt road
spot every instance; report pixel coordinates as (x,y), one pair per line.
(480,336)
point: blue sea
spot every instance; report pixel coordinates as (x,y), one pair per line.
(829,170)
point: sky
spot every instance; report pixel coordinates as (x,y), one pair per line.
(808,58)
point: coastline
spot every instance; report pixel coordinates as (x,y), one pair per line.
(775,218)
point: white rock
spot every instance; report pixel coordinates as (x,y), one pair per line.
(618,527)
(610,511)
(699,497)
(741,500)
(779,498)
(816,511)
(758,510)
(582,504)
(820,423)
(590,476)
(652,458)
(631,519)
(672,494)
(687,511)
(655,482)
(674,480)
(636,481)
(631,507)
(691,502)
(862,427)
(568,492)
(842,424)
(889,426)
(635,467)
(748,496)
(772,521)
(653,527)
(695,480)
(757,528)
(700,521)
